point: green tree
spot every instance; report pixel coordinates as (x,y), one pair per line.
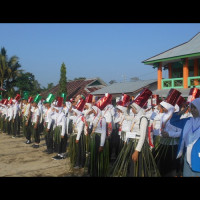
(63,80)
(25,82)
(9,70)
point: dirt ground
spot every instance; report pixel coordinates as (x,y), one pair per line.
(18,159)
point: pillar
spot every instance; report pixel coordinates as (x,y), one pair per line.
(185,73)
(159,86)
(196,82)
(170,70)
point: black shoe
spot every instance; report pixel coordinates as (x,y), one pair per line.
(28,142)
(49,151)
(36,146)
(58,157)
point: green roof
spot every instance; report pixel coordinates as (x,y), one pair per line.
(185,50)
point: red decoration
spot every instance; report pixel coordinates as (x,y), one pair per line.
(5,102)
(80,105)
(173,96)
(155,100)
(18,97)
(10,101)
(193,94)
(180,101)
(104,101)
(89,98)
(59,101)
(143,97)
(125,100)
(30,99)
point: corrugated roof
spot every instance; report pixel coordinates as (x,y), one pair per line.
(126,87)
(190,47)
(164,92)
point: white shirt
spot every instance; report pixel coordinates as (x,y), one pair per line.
(35,114)
(60,120)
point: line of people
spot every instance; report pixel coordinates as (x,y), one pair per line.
(144,137)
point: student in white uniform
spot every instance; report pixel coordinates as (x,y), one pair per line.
(99,147)
(190,141)
(135,158)
(60,136)
(27,120)
(166,149)
(48,123)
(76,142)
(10,117)
(35,120)
(16,117)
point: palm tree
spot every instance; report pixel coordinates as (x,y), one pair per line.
(9,71)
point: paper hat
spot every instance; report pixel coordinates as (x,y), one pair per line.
(143,97)
(64,96)
(17,97)
(37,98)
(89,98)
(59,102)
(5,101)
(125,100)
(180,101)
(80,104)
(193,94)
(72,99)
(172,97)
(25,95)
(30,99)
(10,101)
(49,99)
(154,99)
(104,101)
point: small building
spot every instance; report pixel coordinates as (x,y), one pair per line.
(183,65)
(129,88)
(76,87)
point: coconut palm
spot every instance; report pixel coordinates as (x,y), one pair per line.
(9,71)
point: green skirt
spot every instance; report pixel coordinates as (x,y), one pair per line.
(98,161)
(124,166)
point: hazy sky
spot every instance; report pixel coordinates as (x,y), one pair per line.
(110,51)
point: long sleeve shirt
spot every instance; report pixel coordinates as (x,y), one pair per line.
(48,117)
(15,110)
(139,131)
(35,114)
(10,113)
(78,125)
(60,120)
(101,128)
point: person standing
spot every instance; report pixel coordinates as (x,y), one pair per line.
(48,123)
(135,158)
(16,117)
(99,145)
(35,121)
(168,138)
(27,120)
(60,136)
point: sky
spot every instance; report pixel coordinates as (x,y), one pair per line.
(110,51)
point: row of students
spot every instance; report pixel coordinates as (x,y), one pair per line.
(107,140)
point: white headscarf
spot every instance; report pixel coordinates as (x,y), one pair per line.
(122,108)
(140,111)
(98,114)
(190,132)
(170,110)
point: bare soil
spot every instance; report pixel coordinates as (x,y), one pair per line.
(18,159)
